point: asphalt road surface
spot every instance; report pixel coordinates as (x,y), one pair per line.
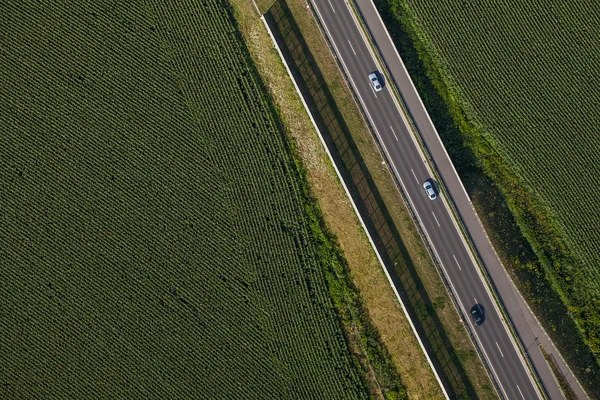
(405,159)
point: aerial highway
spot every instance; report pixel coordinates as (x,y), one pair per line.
(411,170)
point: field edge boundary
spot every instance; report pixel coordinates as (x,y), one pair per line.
(362,223)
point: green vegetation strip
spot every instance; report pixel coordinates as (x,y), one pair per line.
(157,239)
(519,226)
(367,199)
(372,356)
(562,381)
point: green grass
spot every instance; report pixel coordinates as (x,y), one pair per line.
(156,239)
(518,131)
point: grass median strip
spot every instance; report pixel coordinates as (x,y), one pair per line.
(558,375)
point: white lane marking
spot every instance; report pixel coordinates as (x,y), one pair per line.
(523,397)
(435,219)
(456,262)
(351,46)
(373,90)
(395,136)
(497,345)
(331,6)
(414,175)
(418,218)
(453,221)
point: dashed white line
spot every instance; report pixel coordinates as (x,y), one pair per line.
(435,219)
(497,345)
(373,90)
(523,397)
(350,45)
(456,262)
(395,135)
(331,6)
(414,175)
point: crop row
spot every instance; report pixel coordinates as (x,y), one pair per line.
(264,189)
(526,72)
(151,199)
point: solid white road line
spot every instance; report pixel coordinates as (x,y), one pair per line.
(497,345)
(523,397)
(410,201)
(395,135)
(436,219)
(331,6)
(350,45)
(456,262)
(414,175)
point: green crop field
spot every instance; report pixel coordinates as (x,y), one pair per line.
(154,235)
(529,74)
(526,75)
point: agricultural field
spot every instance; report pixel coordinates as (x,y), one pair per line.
(529,75)
(520,82)
(155,236)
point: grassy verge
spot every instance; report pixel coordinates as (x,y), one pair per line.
(521,230)
(411,248)
(376,329)
(562,381)
(371,355)
(264,5)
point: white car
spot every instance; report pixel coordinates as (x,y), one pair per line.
(375,81)
(430,190)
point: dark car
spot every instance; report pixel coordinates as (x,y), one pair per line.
(477,314)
